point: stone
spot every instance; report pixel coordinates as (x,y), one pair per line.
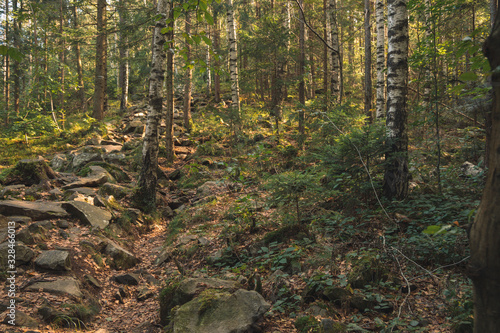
(30,172)
(135,126)
(59,161)
(40,226)
(221,312)
(144,292)
(11,189)
(122,259)
(53,260)
(25,236)
(23,254)
(327,325)
(117,191)
(85,155)
(129,279)
(22,320)
(37,210)
(471,170)
(115,157)
(163,257)
(62,286)
(92,281)
(88,214)
(92,181)
(20,219)
(63,224)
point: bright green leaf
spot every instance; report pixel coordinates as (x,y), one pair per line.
(468,76)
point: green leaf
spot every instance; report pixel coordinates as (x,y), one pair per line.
(209,18)
(207,40)
(432,229)
(468,76)
(414,323)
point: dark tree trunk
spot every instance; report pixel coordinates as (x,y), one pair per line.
(79,67)
(484,265)
(100,62)
(189,76)
(368,63)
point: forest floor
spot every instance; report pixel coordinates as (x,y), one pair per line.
(392,277)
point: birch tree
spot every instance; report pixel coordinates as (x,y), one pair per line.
(124,68)
(380,92)
(396,171)
(484,265)
(189,76)
(368,62)
(169,86)
(233,62)
(148,176)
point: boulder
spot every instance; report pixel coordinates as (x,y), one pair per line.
(25,236)
(23,254)
(88,214)
(53,260)
(30,172)
(37,210)
(220,311)
(58,162)
(68,286)
(130,279)
(117,191)
(85,155)
(21,320)
(470,170)
(122,259)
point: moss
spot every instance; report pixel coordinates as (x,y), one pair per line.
(307,324)
(168,301)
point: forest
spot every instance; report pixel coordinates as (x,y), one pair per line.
(249,166)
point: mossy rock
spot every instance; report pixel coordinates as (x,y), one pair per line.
(118,174)
(367,269)
(28,172)
(307,324)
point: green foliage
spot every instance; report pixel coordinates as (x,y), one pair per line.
(307,324)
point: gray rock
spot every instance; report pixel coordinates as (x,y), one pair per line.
(470,170)
(23,254)
(117,191)
(40,226)
(92,281)
(129,279)
(122,259)
(68,286)
(21,319)
(54,260)
(20,219)
(144,292)
(37,210)
(11,189)
(115,157)
(83,190)
(221,312)
(92,181)
(63,224)
(25,236)
(88,214)
(58,161)
(85,155)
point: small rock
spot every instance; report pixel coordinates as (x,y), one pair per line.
(144,292)
(63,224)
(23,254)
(20,219)
(22,320)
(61,286)
(25,236)
(129,279)
(89,214)
(92,281)
(54,260)
(40,226)
(122,259)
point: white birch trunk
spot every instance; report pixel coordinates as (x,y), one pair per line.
(233,61)
(380,99)
(148,176)
(396,173)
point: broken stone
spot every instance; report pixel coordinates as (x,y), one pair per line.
(129,279)
(23,254)
(61,286)
(89,214)
(37,210)
(53,260)
(122,259)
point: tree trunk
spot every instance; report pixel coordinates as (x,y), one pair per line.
(368,63)
(379,14)
(62,54)
(302,65)
(7,65)
(124,70)
(169,112)
(100,63)
(233,64)
(148,180)
(16,67)
(484,265)
(189,76)
(493,10)
(79,67)
(335,53)
(325,57)
(217,62)
(396,172)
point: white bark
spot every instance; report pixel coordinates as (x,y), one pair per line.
(396,174)
(379,17)
(148,177)
(233,60)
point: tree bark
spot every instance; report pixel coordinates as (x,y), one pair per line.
(233,64)
(368,63)
(16,67)
(79,67)
(335,53)
(169,86)
(217,62)
(484,265)
(62,55)
(7,66)
(100,63)
(302,65)
(380,99)
(124,70)
(148,177)
(396,171)
(189,77)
